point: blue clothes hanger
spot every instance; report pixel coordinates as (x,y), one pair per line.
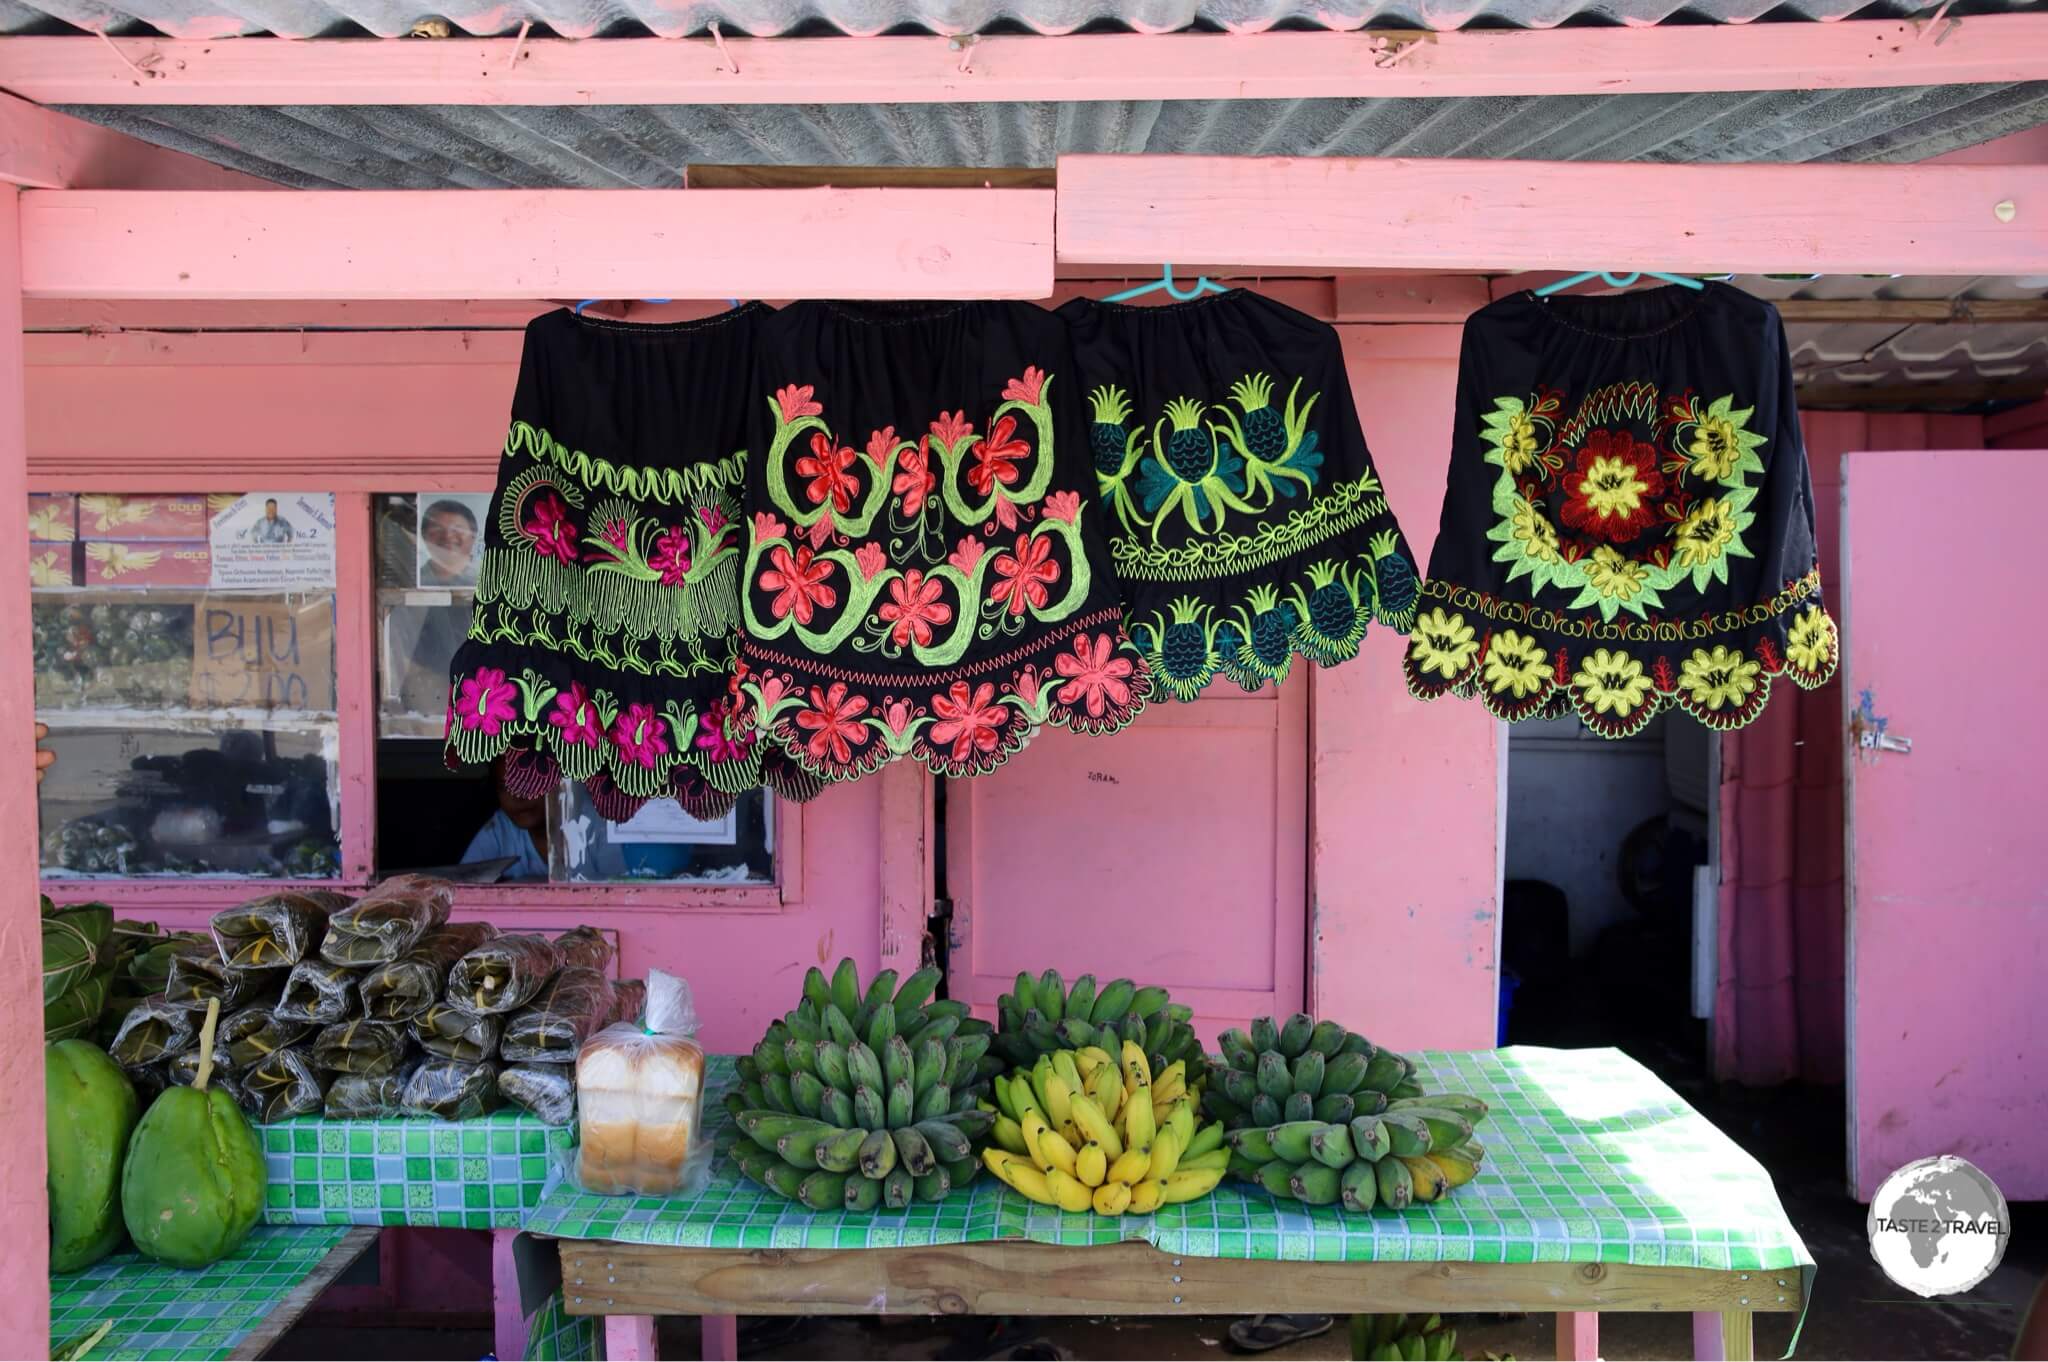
(1613,280)
(588,301)
(1203,284)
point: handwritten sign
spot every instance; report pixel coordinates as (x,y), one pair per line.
(263,654)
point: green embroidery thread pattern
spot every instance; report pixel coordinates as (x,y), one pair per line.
(668,486)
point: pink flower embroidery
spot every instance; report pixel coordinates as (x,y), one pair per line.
(965,555)
(638,735)
(870,559)
(834,723)
(951,428)
(672,556)
(826,467)
(799,584)
(713,738)
(1025,575)
(796,402)
(773,688)
(821,528)
(1097,677)
(1027,388)
(767,529)
(882,449)
(914,606)
(615,535)
(995,459)
(915,482)
(970,722)
(553,534)
(1064,507)
(713,518)
(575,716)
(896,714)
(1027,685)
(486,701)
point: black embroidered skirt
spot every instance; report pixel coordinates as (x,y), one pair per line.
(607,606)
(1629,520)
(925,575)
(1245,521)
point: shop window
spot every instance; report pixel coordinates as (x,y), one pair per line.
(184,661)
(461,823)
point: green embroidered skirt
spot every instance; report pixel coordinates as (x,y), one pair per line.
(925,576)
(1628,523)
(1245,522)
(601,647)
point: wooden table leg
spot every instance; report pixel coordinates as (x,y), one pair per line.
(721,1338)
(629,1338)
(1578,1335)
(1738,1336)
(508,1319)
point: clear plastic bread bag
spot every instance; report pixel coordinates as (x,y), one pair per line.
(639,1094)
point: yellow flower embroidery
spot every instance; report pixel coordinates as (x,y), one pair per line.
(1612,682)
(1614,576)
(1514,664)
(1722,679)
(1705,533)
(1614,488)
(1518,442)
(1535,533)
(1442,643)
(1811,643)
(1720,440)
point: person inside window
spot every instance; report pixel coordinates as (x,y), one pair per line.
(518,831)
(273,528)
(448,538)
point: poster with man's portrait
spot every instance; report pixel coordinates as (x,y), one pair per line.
(451,538)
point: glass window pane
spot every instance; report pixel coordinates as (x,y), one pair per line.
(662,842)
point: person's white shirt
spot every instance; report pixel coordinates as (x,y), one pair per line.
(501,837)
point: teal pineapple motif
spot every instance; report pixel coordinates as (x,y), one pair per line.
(1397,588)
(1191,448)
(1107,438)
(1272,627)
(1265,433)
(1183,652)
(1335,621)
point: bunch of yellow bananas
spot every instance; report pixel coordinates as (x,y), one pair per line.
(1083,1129)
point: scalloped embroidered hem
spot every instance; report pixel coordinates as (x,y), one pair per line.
(1720,677)
(1254,641)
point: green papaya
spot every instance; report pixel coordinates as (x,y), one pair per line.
(194,1183)
(91,1108)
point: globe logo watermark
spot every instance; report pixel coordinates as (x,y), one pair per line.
(1938,1226)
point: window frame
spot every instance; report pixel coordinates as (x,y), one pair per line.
(356,720)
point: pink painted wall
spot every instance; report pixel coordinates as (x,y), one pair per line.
(1778,1000)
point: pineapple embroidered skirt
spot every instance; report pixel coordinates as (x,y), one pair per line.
(924,573)
(1628,521)
(1245,521)
(607,605)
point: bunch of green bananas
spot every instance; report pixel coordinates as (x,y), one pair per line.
(860,1099)
(1324,1116)
(1042,1017)
(1403,1338)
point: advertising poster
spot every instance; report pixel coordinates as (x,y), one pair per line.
(274,541)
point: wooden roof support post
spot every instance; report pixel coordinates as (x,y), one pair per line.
(24,1204)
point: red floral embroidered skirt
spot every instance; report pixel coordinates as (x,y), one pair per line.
(607,606)
(925,574)
(1628,524)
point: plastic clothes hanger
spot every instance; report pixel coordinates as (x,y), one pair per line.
(589,301)
(1613,280)
(1203,284)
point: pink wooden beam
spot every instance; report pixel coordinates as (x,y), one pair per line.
(1578,1335)
(630,1338)
(550,243)
(1537,215)
(43,149)
(1382,64)
(24,1209)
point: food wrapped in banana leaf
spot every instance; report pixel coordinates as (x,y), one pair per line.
(318,992)
(369,1097)
(283,1085)
(153,1031)
(388,921)
(77,1012)
(629,1000)
(452,1089)
(410,985)
(181,1068)
(448,1031)
(198,974)
(148,1080)
(546,1090)
(76,941)
(275,930)
(504,973)
(253,1032)
(576,1004)
(361,1046)
(584,948)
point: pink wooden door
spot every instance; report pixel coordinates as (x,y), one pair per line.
(1948,901)
(1173,853)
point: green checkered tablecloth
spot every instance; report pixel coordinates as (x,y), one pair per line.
(482,1174)
(1590,1158)
(555,1335)
(168,1312)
